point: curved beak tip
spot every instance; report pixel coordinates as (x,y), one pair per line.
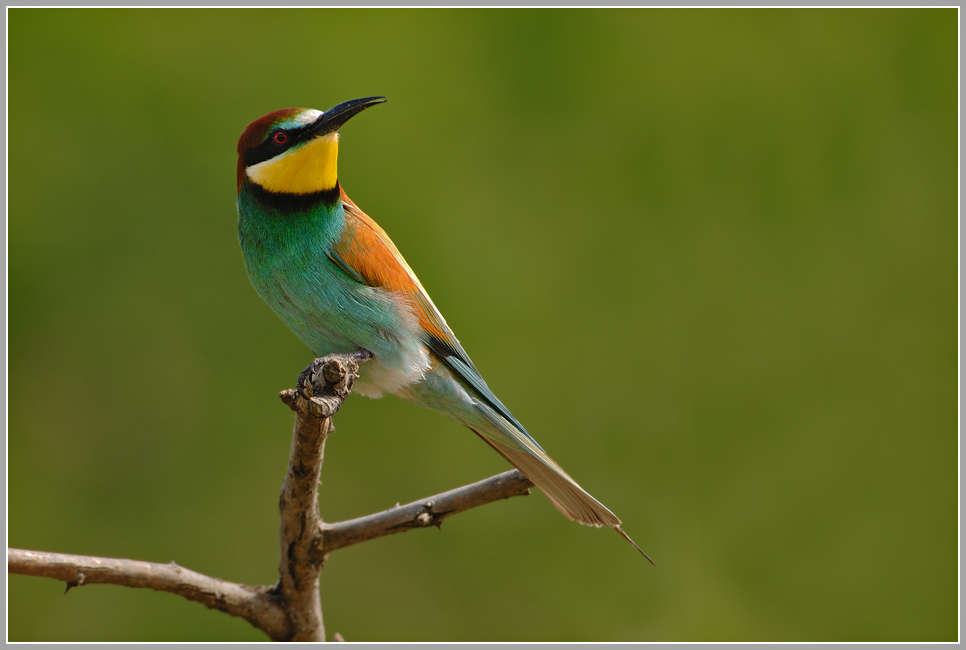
(333,119)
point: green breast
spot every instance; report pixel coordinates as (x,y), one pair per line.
(286,243)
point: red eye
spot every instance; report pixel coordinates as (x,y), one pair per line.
(280,137)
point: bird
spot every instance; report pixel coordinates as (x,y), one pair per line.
(339,283)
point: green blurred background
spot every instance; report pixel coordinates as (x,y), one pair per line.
(708,257)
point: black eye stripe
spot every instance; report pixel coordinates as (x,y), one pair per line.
(270,148)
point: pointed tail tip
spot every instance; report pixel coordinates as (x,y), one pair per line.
(625,536)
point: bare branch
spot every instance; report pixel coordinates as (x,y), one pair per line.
(291,610)
(321,389)
(425,512)
(256,605)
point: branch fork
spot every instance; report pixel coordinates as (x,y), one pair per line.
(290,610)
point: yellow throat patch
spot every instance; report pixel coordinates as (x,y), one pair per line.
(306,169)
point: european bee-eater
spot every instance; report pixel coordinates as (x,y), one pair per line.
(336,279)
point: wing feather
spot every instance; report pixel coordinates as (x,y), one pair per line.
(368,256)
(366,253)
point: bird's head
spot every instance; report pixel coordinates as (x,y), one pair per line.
(295,150)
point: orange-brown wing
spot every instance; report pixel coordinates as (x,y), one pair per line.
(366,253)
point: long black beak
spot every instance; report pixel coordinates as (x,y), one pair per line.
(335,117)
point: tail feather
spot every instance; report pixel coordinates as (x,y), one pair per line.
(454,389)
(563,492)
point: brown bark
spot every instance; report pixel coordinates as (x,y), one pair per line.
(290,610)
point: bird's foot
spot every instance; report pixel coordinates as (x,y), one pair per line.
(332,375)
(361,355)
